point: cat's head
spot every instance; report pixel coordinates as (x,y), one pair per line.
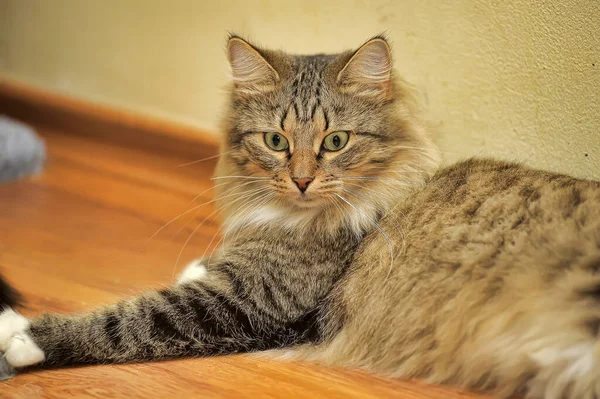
(327,134)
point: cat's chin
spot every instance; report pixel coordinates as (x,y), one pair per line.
(307,208)
(304,202)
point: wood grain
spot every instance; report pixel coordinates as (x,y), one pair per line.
(78,236)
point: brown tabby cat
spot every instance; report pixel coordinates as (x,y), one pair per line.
(345,245)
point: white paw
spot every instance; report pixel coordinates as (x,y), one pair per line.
(11,323)
(193,272)
(18,347)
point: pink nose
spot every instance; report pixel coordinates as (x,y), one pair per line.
(303,183)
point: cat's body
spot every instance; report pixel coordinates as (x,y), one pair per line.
(343,245)
(495,284)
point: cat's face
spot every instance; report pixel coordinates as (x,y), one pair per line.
(316,132)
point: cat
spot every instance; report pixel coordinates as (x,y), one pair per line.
(346,244)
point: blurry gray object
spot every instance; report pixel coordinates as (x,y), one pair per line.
(6,370)
(22,152)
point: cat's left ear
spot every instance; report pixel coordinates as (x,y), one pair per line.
(251,72)
(369,70)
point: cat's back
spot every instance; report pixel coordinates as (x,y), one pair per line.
(490,177)
(494,193)
(477,211)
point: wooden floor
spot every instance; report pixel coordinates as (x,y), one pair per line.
(78,236)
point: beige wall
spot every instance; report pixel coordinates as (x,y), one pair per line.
(514,79)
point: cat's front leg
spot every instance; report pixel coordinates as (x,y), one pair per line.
(15,342)
(220,314)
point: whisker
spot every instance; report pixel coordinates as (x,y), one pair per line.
(388,168)
(381,193)
(237,211)
(339,207)
(220,197)
(185,244)
(208,158)
(186,212)
(240,177)
(374,178)
(207,190)
(226,191)
(256,204)
(196,229)
(395,223)
(367,197)
(198,161)
(240,207)
(368,178)
(174,219)
(424,149)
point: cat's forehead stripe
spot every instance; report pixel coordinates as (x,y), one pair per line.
(306,90)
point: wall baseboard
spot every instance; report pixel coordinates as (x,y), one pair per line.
(40,107)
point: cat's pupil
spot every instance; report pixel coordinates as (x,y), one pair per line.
(276,140)
(336,141)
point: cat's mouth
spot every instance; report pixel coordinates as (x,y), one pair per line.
(304,199)
(309,201)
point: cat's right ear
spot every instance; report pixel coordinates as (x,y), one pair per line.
(250,71)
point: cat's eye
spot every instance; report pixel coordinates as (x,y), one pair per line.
(335,141)
(276,141)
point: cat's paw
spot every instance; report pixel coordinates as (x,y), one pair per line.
(193,272)
(18,347)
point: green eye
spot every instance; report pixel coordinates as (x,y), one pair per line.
(336,141)
(276,141)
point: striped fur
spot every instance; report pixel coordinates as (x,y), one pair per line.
(249,301)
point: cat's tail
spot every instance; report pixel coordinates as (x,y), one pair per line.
(9,297)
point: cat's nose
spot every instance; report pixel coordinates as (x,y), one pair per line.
(303,183)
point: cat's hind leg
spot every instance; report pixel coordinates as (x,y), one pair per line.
(569,363)
(553,333)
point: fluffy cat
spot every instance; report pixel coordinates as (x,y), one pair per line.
(344,244)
